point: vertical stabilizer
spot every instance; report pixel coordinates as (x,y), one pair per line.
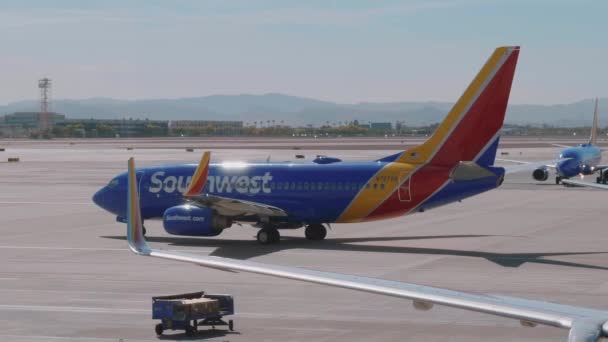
(593,139)
(470,130)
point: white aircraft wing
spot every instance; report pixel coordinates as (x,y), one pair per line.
(223,205)
(235,207)
(585,184)
(528,165)
(584,324)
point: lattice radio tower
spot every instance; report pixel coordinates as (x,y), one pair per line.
(45,97)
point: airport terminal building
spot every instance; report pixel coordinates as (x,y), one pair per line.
(21,124)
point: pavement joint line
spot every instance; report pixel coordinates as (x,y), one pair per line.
(66,338)
(39,202)
(78,309)
(101,249)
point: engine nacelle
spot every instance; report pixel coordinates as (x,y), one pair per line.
(541,174)
(191,220)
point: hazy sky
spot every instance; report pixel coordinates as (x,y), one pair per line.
(345,51)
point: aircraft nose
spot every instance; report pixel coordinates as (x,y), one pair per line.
(100,198)
(568,168)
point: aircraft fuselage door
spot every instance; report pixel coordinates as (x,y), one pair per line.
(405,193)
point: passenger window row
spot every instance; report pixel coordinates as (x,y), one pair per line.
(310,186)
(323,186)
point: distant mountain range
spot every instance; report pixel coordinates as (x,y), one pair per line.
(300,110)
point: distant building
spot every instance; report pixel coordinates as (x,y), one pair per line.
(380,126)
(22,124)
(31,120)
(115,127)
(377,126)
(206,127)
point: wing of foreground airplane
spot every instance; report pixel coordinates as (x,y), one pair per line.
(575,182)
(223,205)
(584,324)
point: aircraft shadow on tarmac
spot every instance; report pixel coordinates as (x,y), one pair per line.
(245,249)
(200,335)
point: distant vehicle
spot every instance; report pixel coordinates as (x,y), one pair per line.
(573,161)
(456,162)
(584,324)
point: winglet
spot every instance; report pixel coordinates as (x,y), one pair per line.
(200,176)
(135,234)
(593,139)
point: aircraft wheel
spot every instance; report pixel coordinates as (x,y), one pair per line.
(315,232)
(159,329)
(267,236)
(558,179)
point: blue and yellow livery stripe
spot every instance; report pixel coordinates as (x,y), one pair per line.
(370,196)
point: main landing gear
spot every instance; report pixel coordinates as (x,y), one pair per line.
(603,177)
(268,236)
(315,232)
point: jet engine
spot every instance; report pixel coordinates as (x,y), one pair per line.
(191,220)
(540,174)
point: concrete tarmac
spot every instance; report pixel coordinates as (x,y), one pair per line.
(66,273)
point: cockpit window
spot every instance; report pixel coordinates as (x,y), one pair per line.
(113,183)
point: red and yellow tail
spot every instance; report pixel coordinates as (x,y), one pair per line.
(468,133)
(473,124)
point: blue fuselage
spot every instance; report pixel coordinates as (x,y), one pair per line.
(581,159)
(308,192)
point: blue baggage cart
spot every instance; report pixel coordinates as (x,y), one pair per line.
(175,315)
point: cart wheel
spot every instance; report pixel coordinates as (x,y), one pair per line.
(159,329)
(231,325)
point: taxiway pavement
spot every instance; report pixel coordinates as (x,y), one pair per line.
(66,273)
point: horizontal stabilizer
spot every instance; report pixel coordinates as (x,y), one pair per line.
(468,170)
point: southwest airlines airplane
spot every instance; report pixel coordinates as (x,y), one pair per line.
(584,324)
(456,162)
(583,159)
